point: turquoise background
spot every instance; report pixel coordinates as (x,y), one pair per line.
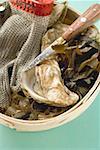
(82,133)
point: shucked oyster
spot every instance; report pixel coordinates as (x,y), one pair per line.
(45,85)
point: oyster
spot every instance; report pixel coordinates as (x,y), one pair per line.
(47,85)
(50,86)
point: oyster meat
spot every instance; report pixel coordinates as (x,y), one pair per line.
(49,85)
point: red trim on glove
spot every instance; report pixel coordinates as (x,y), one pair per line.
(38,7)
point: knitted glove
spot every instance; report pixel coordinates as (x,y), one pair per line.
(20,40)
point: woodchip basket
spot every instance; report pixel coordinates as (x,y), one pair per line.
(80,107)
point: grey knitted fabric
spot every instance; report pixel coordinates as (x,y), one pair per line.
(29,50)
(20,40)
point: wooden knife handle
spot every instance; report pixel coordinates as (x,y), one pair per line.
(85,20)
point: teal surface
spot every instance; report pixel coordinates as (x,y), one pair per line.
(82,133)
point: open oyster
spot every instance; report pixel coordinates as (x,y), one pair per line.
(47,85)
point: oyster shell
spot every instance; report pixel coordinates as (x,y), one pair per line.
(45,85)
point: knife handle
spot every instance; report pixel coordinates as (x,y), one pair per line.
(84,21)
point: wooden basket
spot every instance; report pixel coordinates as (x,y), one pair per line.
(40,125)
